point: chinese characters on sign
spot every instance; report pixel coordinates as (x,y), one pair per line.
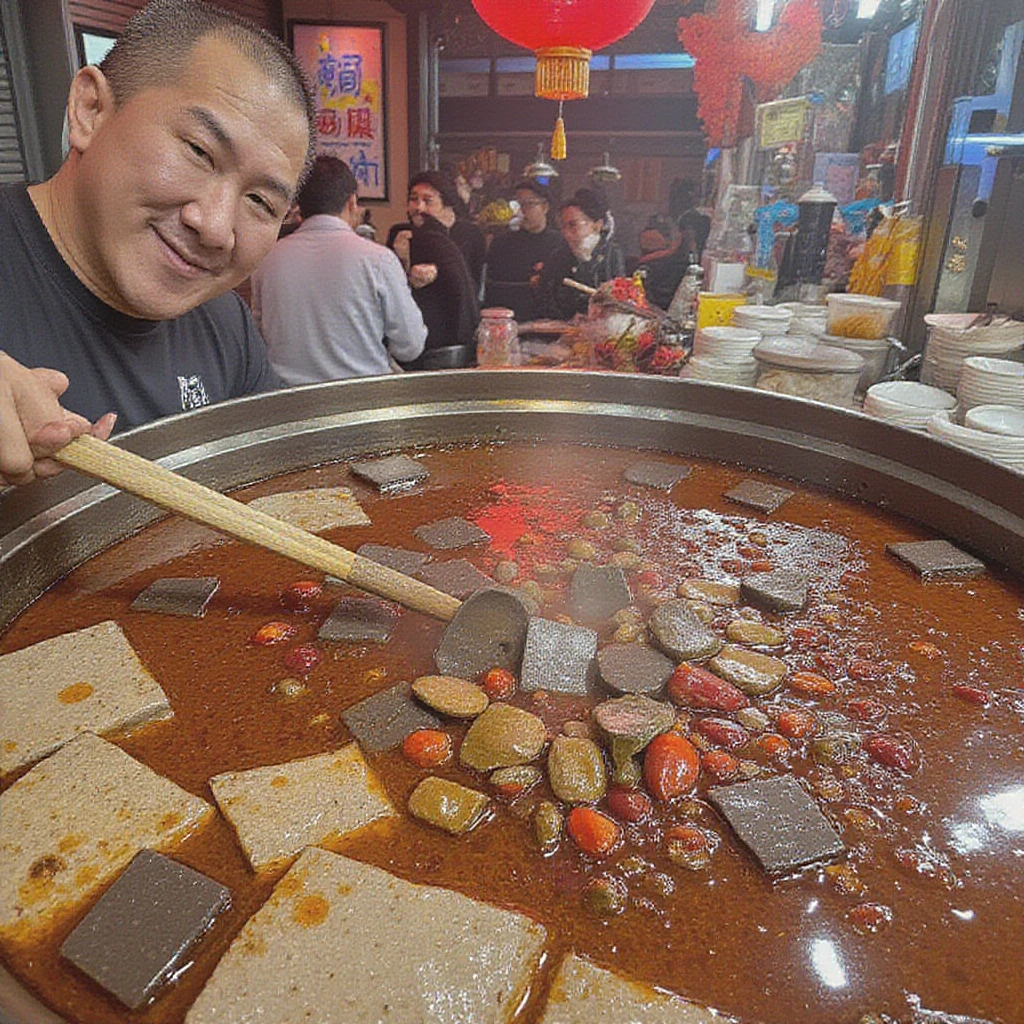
(345,66)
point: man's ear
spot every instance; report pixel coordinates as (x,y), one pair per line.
(90,105)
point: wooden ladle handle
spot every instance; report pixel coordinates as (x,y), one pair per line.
(187,498)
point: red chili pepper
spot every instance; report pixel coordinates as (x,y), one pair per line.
(892,751)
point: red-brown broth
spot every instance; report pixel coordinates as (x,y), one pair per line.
(947,864)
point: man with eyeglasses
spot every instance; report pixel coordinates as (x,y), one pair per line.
(515,259)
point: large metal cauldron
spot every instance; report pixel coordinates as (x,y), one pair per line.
(51,527)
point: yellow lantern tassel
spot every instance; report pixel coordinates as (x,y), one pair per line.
(558,139)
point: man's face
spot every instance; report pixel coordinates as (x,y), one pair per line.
(424,199)
(535,210)
(182,189)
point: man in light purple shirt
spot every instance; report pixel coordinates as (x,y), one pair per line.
(331,304)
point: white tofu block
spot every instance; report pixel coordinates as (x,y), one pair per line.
(320,508)
(278,809)
(340,942)
(72,823)
(583,993)
(90,680)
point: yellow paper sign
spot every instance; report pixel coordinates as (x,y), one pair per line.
(781,122)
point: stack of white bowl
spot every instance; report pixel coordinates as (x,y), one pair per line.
(952,340)
(987,381)
(905,403)
(766,320)
(723,354)
(993,431)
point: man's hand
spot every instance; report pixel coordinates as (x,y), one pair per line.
(33,425)
(400,244)
(422,274)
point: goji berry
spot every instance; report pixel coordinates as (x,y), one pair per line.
(773,745)
(302,659)
(810,684)
(629,804)
(427,748)
(892,751)
(593,832)
(866,709)
(721,764)
(869,917)
(671,766)
(498,683)
(795,724)
(695,687)
(861,668)
(806,636)
(972,694)
(761,565)
(272,633)
(722,732)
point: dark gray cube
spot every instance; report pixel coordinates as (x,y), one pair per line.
(488,631)
(359,619)
(558,657)
(935,558)
(598,592)
(784,590)
(458,577)
(451,533)
(778,821)
(139,932)
(391,472)
(662,475)
(634,668)
(383,720)
(399,559)
(754,494)
(176,595)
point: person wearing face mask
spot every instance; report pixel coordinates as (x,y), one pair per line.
(187,146)
(588,255)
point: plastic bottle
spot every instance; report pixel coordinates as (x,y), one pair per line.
(683,306)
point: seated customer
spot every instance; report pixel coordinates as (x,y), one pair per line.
(442,287)
(515,259)
(588,256)
(330,303)
(431,192)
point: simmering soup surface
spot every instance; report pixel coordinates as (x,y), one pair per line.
(927,677)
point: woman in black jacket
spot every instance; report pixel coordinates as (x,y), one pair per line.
(588,256)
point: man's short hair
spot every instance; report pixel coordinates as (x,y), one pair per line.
(441,184)
(534,186)
(328,188)
(158,41)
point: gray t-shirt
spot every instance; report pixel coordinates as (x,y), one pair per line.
(140,369)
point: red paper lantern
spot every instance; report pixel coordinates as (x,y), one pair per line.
(563,34)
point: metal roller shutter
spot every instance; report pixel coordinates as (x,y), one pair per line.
(12,157)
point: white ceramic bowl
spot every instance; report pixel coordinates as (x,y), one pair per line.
(996,419)
(897,395)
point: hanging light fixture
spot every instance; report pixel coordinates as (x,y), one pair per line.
(605,173)
(540,169)
(563,34)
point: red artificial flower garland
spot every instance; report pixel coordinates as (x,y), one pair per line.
(727,51)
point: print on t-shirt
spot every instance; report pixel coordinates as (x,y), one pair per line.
(193,392)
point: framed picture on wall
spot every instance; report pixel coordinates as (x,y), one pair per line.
(345,66)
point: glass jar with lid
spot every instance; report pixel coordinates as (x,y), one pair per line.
(497,338)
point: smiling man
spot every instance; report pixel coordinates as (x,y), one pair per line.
(187,145)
